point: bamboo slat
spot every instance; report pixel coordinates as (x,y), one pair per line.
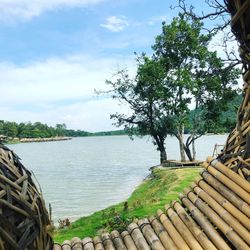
(128,240)
(150,235)
(166,240)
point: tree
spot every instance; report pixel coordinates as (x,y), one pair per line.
(60,129)
(195,75)
(142,95)
(10,129)
(181,73)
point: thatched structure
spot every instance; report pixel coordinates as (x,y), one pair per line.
(24,221)
(236,154)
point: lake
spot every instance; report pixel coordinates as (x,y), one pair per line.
(83,175)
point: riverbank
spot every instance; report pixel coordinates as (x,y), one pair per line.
(161,187)
(25,140)
(58,138)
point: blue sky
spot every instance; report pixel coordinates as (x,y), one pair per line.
(54,53)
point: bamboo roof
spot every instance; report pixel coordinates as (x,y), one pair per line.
(213,213)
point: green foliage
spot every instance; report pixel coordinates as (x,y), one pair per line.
(37,130)
(159,189)
(181,72)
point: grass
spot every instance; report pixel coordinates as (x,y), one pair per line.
(159,189)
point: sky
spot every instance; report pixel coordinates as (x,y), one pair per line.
(55,53)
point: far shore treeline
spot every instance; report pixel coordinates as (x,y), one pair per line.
(41,130)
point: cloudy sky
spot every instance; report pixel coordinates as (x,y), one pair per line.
(54,53)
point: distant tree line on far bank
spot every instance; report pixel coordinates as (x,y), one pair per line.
(41,130)
(37,130)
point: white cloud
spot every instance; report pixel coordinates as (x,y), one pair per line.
(156,20)
(26,9)
(56,79)
(91,116)
(60,90)
(115,24)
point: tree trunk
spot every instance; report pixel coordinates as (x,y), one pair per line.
(181,143)
(163,155)
(194,151)
(161,147)
(182,150)
(188,152)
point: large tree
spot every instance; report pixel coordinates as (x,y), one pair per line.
(182,74)
(143,94)
(197,77)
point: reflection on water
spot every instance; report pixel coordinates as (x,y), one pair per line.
(87,174)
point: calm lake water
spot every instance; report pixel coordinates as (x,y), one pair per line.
(83,175)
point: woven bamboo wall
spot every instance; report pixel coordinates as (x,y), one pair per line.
(236,154)
(24,221)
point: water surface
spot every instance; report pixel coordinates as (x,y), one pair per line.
(83,175)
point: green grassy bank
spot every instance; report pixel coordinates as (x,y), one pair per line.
(160,188)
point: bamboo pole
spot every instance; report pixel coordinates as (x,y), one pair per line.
(205,224)
(182,229)
(224,214)
(241,217)
(193,227)
(229,173)
(166,240)
(227,182)
(151,237)
(128,240)
(174,234)
(56,246)
(227,193)
(66,245)
(138,237)
(107,242)
(76,244)
(98,243)
(117,240)
(88,244)
(231,235)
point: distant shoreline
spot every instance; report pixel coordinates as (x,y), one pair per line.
(27,140)
(60,138)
